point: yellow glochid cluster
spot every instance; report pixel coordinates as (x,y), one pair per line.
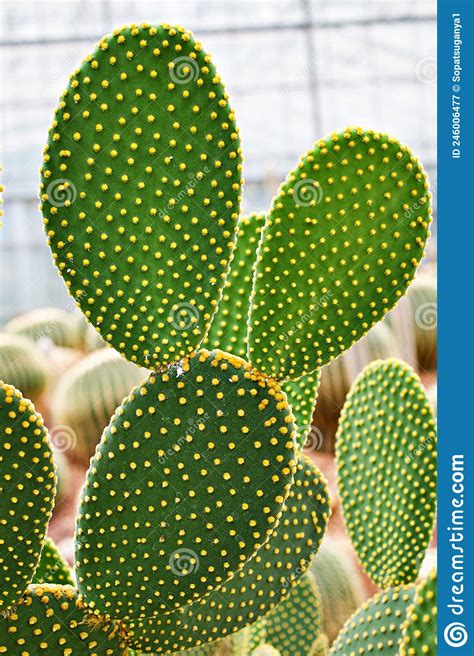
(27,489)
(386,456)
(140,190)
(340,246)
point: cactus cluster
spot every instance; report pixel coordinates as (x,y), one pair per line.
(200,517)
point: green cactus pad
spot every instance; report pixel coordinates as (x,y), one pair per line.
(50,619)
(52,568)
(47,323)
(302,395)
(141,189)
(338,250)
(27,489)
(189,480)
(291,627)
(340,587)
(420,629)
(338,376)
(259,586)
(386,453)
(376,628)
(229,326)
(295,623)
(87,395)
(23,365)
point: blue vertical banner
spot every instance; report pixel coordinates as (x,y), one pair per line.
(456,327)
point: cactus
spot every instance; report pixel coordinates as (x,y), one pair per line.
(52,568)
(290,628)
(87,395)
(260,585)
(199,518)
(338,376)
(294,624)
(337,251)
(376,627)
(140,191)
(212,466)
(23,365)
(229,327)
(27,488)
(339,585)
(60,626)
(386,452)
(47,324)
(420,628)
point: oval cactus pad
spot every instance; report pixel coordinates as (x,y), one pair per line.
(341,243)
(421,629)
(189,480)
(140,190)
(386,453)
(376,628)
(27,489)
(262,583)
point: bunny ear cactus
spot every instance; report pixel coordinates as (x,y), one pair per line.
(208,444)
(229,327)
(27,489)
(140,191)
(262,583)
(420,628)
(51,619)
(337,250)
(52,568)
(386,453)
(377,626)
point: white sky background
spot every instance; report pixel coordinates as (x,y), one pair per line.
(295,70)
